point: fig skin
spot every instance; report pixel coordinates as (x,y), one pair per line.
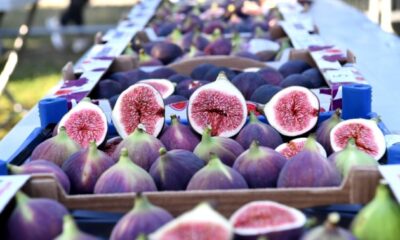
(129,78)
(179,136)
(177,78)
(221,46)
(174,99)
(143,219)
(56,149)
(216,175)
(72,232)
(42,166)
(187,87)
(125,176)
(260,166)
(162,72)
(296,80)
(174,169)
(200,71)
(34,219)
(85,167)
(264,93)
(315,77)
(324,130)
(271,76)
(247,83)
(293,66)
(264,134)
(166,52)
(106,89)
(212,74)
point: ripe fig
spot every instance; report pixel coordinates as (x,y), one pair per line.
(330,230)
(264,93)
(295,146)
(260,166)
(163,86)
(85,167)
(56,149)
(187,87)
(309,168)
(324,130)
(264,134)
(139,104)
(129,78)
(213,73)
(124,176)
(247,83)
(219,105)
(200,71)
(166,52)
(174,169)
(202,222)
(195,39)
(34,219)
(111,145)
(379,219)
(293,66)
(174,99)
(143,219)
(314,76)
(216,175)
(366,133)
(106,89)
(269,220)
(42,166)
(293,111)
(72,232)
(162,72)
(296,79)
(177,78)
(221,46)
(179,136)
(271,76)
(225,148)
(84,123)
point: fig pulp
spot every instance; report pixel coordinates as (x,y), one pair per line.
(324,130)
(72,232)
(163,86)
(219,105)
(295,146)
(143,219)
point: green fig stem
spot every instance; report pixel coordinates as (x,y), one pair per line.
(86,99)
(22,202)
(253,118)
(382,191)
(21,198)
(14,169)
(311,144)
(93,152)
(351,144)
(141,203)
(124,157)
(221,76)
(254,147)
(174,120)
(332,221)
(62,133)
(215,162)
(70,229)
(206,136)
(162,151)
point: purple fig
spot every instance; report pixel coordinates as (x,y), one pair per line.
(260,166)
(143,219)
(177,78)
(263,133)
(225,148)
(194,39)
(179,136)
(296,79)
(211,26)
(216,175)
(221,46)
(247,83)
(129,78)
(187,87)
(293,66)
(324,130)
(35,219)
(200,71)
(174,169)
(162,72)
(124,176)
(56,149)
(42,166)
(142,147)
(72,232)
(264,93)
(85,167)
(166,52)
(271,76)
(213,73)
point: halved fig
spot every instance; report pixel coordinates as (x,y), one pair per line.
(293,111)
(219,105)
(366,133)
(84,123)
(295,146)
(165,87)
(139,104)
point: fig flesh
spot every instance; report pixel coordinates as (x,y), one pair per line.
(295,146)
(163,86)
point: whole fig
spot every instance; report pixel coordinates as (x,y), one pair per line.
(324,130)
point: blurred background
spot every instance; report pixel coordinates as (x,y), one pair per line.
(39,66)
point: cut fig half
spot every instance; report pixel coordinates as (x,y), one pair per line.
(139,104)
(295,146)
(84,123)
(165,87)
(219,105)
(366,133)
(293,111)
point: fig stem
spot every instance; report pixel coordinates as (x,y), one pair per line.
(216,163)
(21,198)
(254,146)
(70,228)
(221,76)
(162,151)
(311,144)
(206,137)
(174,120)
(124,158)
(351,143)
(62,133)
(93,149)
(14,169)
(141,203)
(253,117)
(22,202)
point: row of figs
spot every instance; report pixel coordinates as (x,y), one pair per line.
(47,219)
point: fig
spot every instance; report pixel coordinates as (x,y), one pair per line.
(293,111)
(177,78)
(174,99)
(330,230)
(267,220)
(309,168)
(200,71)
(213,25)
(366,133)
(143,219)
(142,147)
(163,86)
(72,232)
(351,156)
(84,123)
(200,223)
(264,93)
(260,166)
(293,66)
(56,149)
(162,72)
(111,145)
(42,166)
(213,73)
(314,76)
(166,29)
(85,167)
(221,46)
(225,148)
(34,219)
(216,175)
(166,52)
(139,104)
(194,39)
(174,169)
(179,136)
(264,134)
(220,105)
(124,176)
(324,130)
(295,146)
(106,89)
(247,83)
(379,219)
(129,78)
(187,87)
(296,79)
(271,76)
